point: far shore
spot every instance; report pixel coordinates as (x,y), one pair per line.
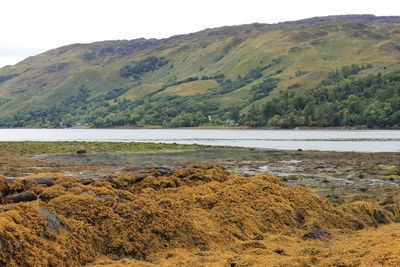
(220,128)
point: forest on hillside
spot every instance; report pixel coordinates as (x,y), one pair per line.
(342,99)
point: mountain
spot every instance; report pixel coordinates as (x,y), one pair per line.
(323,71)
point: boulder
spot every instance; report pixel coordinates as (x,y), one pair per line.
(52,220)
(26,196)
(318,233)
(49,181)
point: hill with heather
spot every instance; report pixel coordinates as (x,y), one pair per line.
(324,71)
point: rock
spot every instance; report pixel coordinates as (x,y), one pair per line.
(26,196)
(9,179)
(318,233)
(122,198)
(363,189)
(106,197)
(52,220)
(164,204)
(52,192)
(49,181)
(140,178)
(81,152)
(86,181)
(280,251)
(162,171)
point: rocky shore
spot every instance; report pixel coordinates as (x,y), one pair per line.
(171,205)
(188,216)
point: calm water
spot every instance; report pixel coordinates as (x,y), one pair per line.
(324,140)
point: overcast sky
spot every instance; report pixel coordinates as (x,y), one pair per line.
(30,27)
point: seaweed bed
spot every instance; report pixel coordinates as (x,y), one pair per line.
(189,216)
(35,148)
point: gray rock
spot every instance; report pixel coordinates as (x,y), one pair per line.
(122,198)
(106,197)
(49,181)
(86,181)
(52,220)
(24,197)
(318,233)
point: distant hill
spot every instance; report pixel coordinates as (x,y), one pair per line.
(323,71)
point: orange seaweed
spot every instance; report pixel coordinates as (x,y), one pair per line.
(193,216)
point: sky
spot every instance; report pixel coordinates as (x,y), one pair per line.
(31,27)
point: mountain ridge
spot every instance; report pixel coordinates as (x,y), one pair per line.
(300,54)
(364,18)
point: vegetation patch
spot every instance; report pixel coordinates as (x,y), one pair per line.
(340,100)
(5,78)
(137,69)
(35,148)
(190,88)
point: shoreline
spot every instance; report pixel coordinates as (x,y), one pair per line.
(29,148)
(216,128)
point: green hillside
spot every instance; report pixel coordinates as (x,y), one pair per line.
(326,71)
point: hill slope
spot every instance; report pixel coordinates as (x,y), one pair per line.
(213,76)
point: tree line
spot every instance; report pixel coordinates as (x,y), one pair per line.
(342,99)
(370,101)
